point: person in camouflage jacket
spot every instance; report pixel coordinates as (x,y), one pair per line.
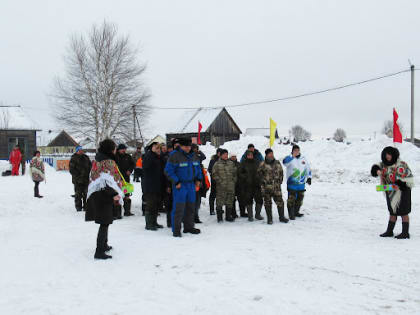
(225,177)
(270,173)
(250,186)
(80,166)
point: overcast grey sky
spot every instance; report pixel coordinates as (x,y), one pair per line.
(204,53)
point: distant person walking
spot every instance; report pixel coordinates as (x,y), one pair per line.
(15,159)
(37,171)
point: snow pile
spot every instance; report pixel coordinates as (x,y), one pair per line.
(331,161)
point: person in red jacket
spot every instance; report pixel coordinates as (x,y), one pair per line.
(15,159)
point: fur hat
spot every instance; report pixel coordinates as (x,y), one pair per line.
(106,147)
(232,154)
(391,151)
(185,142)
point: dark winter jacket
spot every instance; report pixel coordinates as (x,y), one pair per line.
(166,183)
(80,166)
(183,167)
(152,173)
(247,176)
(126,164)
(213,160)
(257,156)
(201,156)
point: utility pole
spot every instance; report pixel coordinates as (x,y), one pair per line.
(412,103)
(134,125)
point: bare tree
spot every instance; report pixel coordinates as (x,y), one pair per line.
(388,128)
(4,116)
(339,135)
(299,134)
(102,88)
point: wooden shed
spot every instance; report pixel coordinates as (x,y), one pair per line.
(218,126)
(16,128)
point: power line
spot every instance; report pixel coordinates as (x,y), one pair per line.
(294,96)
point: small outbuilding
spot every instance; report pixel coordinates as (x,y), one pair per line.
(16,128)
(60,143)
(218,126)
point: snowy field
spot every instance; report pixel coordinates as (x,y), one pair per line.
(331,261)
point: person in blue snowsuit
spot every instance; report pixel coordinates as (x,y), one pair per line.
(184,171)
(298,174)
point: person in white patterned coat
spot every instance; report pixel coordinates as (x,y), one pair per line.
(37,171)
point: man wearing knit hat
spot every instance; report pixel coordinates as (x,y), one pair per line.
(79,168)
(298,174)
(270,174)
(184,171)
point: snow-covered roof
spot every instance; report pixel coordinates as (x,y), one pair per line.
(15,118)
(188,122)
(257,132)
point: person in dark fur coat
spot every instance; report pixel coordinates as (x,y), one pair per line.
(393,171)
(104,192)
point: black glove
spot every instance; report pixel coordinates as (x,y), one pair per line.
(402,185)
(309,181)
(374,170)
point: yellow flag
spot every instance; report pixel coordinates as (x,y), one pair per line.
(273,127)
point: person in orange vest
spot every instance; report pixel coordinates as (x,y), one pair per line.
(201,192)
(15,159)
(137,157)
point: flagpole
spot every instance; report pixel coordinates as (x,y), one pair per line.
(412,103)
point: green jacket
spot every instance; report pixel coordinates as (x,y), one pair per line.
(270,174)
(224,173)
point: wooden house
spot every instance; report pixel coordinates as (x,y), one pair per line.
(218,126)
(16,128)
(59,143)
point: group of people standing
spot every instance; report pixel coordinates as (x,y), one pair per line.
(257,179)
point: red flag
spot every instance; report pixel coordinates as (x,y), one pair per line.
(396,129)
(200,126)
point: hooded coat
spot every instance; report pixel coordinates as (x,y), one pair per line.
(248,179)
(395,172)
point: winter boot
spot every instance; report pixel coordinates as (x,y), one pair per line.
(258,212)
(155,222)
(229,217)
(250,213)
(100,254)
(404,234)
(297,213)
(281,214)
(291,211)
(127,207)
(389,231)
(269,211)
(219,215)
(197,220)
(193,231)
(150,222)
(177,234)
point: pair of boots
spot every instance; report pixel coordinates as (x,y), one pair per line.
(219,212)
(127,207)
(280,210)
(211,203)
(242,211)
(36,192)
(151,221)
(390,231)
(102,246)
(258,216)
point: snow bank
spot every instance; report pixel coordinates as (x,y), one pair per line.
(331,161)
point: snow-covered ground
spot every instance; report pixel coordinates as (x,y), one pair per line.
(331,261)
